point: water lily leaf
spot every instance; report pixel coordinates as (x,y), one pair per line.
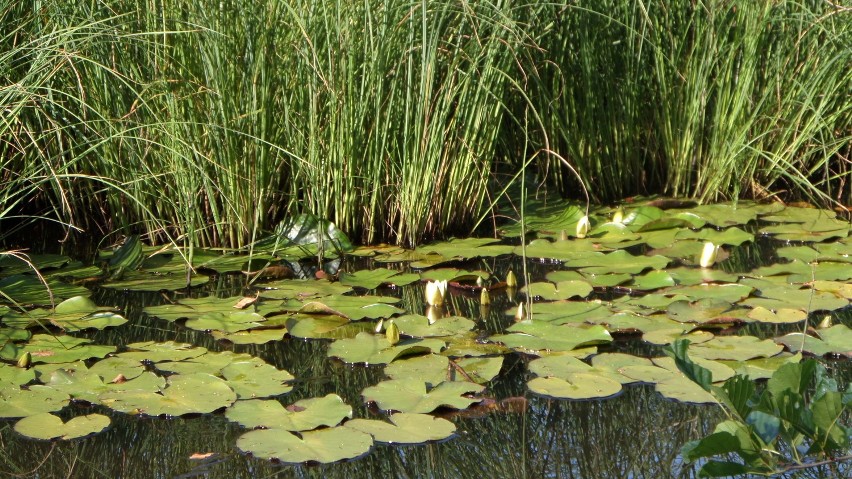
(303,289)
(726,292)
(84,385)
(736,348)
(47,426)
(616,361)
(659,238)
(73,314)
(418,326)
(652,280)
(323,446)
(192,308)
(668,336)
(16,402)
(575,386)
(411,395)
(315,326)
(479,370)
(459,347)
(805,299)
(114,366)
(210,363)
(701,311)
(638,217)
(15,376)
(825,271)
(762,368)
(431,369)
(562,250)
(144,280)
(841,289)
(256,379)
(373,278)
(836,340)
(228,322)
(467,248)
(724,215)
(374,349)
(26,289)
(183,394)
(303,415)
(254,336)
(560,312)
(603,280)
(452,275)
(155,352)
(729,236)
(405,428)
(547,219)
(782,316)
(694,276)
(351,307)
(45,348)
(561,290)
(777,269)
(681,389)
(565,367)
(534,335)
(719,371)
(10,264)
(617,262)
(819,229)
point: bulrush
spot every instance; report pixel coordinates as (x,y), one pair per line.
(708,255)
(435,292)
(583,227)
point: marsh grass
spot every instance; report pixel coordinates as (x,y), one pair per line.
(208,124)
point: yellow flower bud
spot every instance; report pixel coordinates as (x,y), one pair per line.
(708,255)
(583,227)
(511,280)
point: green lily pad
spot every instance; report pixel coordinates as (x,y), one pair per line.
(254,336)
(724,215)
(353,308)
(16,402)
(824,271)
(373,278)
(729,236)
(806,299)
(726,292)
(184,394)
(668,336)
(10,264)
(575,386)
(762,368)
(303,289)
(836,340)
(303,415)
(405,428)
(561,290)
(193,308)
(45,348)
(805,224)
(547,219)
(479,369)
(210,363)
(561,312)
(412,395)
(735,348)
(782,316)
(617,262)
(230,322)
(719,371)
(562,250)
(15,376)
(467,248)
(652,280)
(315,326)
(47,426)
(323,446)
(452,274)
(535,335)
(26,289)
(431,369)
(256,379)
(73,314)
(565,367)
(419,326)
(155,352)
(702,311)
(677,387)
(84,385)
(693,276)
(374,349)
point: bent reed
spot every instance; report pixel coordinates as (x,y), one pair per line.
(210,122)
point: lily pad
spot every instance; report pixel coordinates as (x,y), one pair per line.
(805,299)
(253,336)
(45,348)
(303,415)
(372,279)
(562,250)
(323,446)
(412,395)
(47,426)
(534,335)
(184,394)
(617,262)
(479,370)
(782,316)
(467,248)
(431,369)
(155,352)
(303,289)
(702,311)
(561,290)
(353,308)
(419,326)
(147,281)
(256,379)
(374,349)
(316,326)
(575,386)
(405,428)
(229,322)
(26,289)
(836,340)
(84,385)
(735,348)
(15,402)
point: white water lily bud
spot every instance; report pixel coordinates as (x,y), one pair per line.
(392,333)
(519,315)
(563,235)
(433,314)
(708,255)
(825,323)
(380,325)
(479,282)
(583,227)
(618,216)
(435,292)
(511,280)
(25,360)
(484,297)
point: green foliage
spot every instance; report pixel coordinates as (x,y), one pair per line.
(790,424)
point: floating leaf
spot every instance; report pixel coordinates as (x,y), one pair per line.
(254,336)
(431,369)
(782,316)
(184,394)
(45,348)
(351,307)
(47,426)
(561,312)
(323,446)
(303,289)
(419,326)
(466,248)
(535,335)
(405,428)
(480,370)
(834,340)
(15,402)
(575,386)
(373,349)
(26,289)
(156,352)
(726,292)
(411,395)
(762,368)
(702,311)
(228,322)
(314,326)
(14,376)
(794,298)
(303,415)
(561,290)
(256,379)
(372,279)
(562,250)
(147,281)
(735,348)
(84,385)
(617,262)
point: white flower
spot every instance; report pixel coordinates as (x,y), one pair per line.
(435,292)
(708,255)
(583,227)
(618,216)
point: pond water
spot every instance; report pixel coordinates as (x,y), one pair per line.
(510,428)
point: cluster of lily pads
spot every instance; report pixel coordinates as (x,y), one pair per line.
(636,271)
